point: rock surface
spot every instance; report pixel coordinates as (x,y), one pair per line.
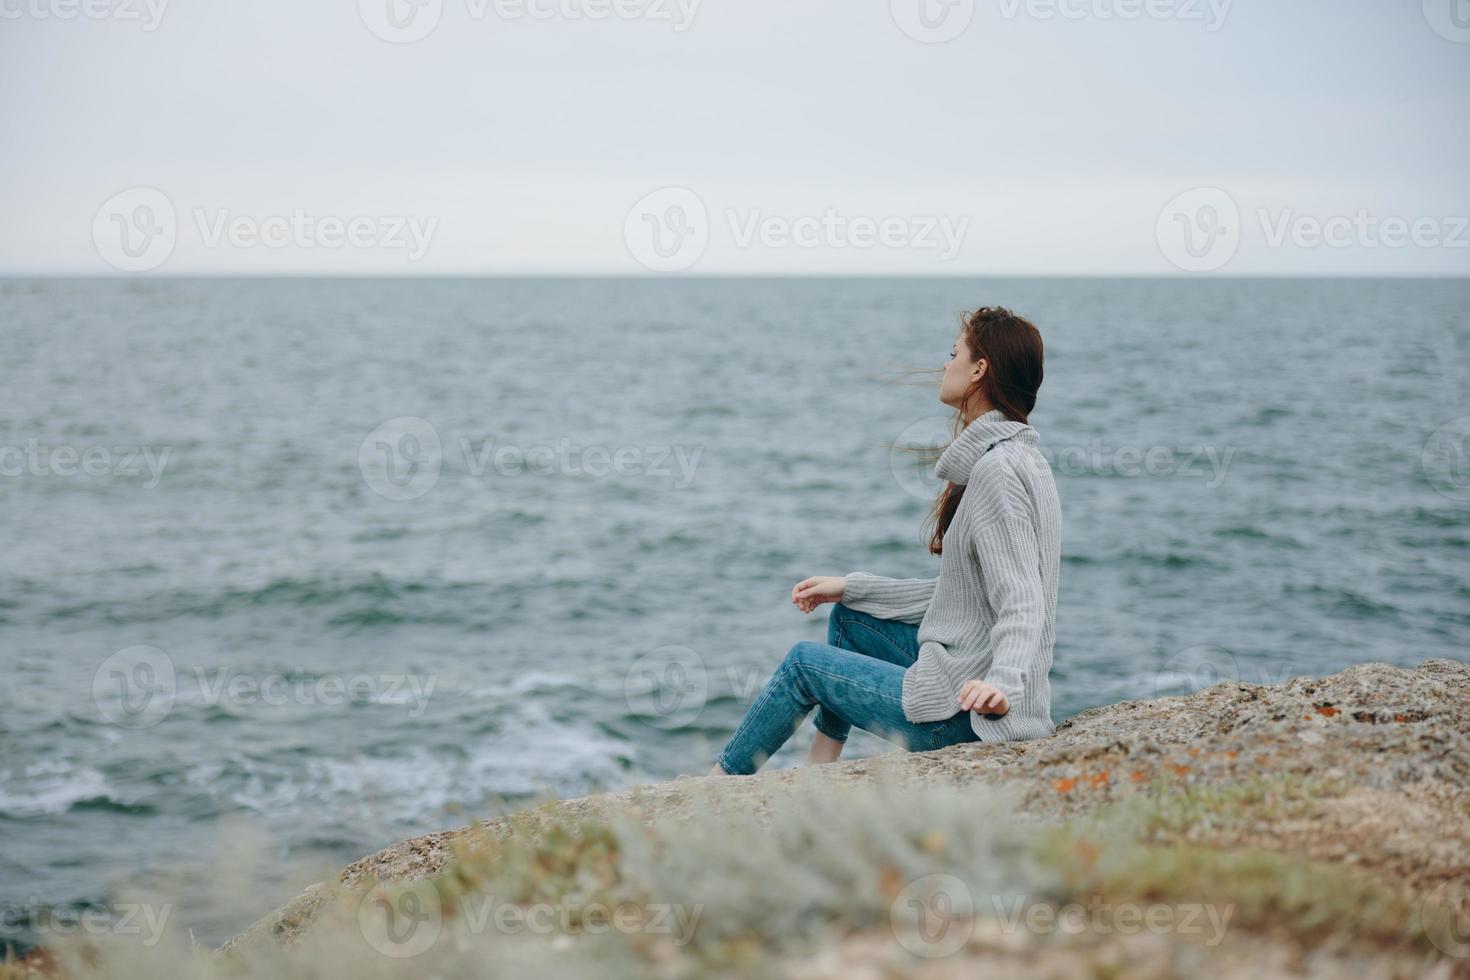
(1397,740)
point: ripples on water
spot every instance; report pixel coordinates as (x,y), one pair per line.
(1302,536)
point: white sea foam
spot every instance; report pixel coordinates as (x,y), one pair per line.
(52,786)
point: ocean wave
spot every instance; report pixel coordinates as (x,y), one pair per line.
(1344,601)
(1133,557)
(1247,532)
(371,600)
(52,786)
(418,786)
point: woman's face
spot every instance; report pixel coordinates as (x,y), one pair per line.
(960,372)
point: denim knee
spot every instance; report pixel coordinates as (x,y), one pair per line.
(826,720)
(798,651)
(797,658)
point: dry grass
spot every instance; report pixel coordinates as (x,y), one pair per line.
(723,893)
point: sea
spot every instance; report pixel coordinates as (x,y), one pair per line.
(295,568)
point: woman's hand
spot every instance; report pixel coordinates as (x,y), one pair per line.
(810,593)
(982,697)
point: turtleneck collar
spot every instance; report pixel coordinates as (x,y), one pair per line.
(975,440)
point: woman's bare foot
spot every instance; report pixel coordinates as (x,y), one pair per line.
(824,749)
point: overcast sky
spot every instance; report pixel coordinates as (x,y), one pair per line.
(689,137)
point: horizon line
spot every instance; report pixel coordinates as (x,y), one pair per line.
(675,277)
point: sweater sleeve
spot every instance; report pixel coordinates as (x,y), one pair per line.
(902,599)
(1011,567)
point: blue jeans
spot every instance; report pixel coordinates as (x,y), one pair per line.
(855,678)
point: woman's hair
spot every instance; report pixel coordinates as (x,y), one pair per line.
(1011,346)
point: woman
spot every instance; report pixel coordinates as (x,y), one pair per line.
(959,658)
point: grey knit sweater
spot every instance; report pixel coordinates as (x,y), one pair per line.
(991,613)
